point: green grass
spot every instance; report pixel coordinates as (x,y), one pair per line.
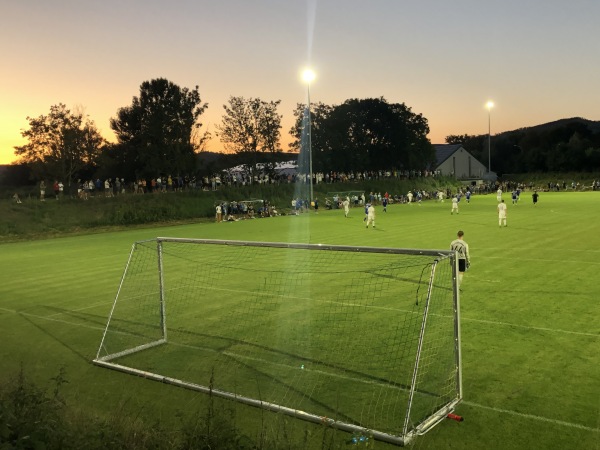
(530,315)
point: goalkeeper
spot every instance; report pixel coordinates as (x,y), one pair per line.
(462,251)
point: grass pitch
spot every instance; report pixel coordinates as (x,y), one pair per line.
(530,313)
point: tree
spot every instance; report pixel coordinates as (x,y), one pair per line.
(61,144)
(250,126)
(159,132)
(367,134)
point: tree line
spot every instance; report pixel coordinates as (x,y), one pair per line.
(161,133)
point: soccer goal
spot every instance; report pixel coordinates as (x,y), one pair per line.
(354,197)
(363,339)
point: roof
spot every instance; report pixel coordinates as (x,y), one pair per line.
(444,151)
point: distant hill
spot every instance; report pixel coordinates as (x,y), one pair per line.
(565,145)
(592,125)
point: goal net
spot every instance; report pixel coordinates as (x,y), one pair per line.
(337,197)
(363,339)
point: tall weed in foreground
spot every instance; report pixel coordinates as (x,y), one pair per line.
(35,417)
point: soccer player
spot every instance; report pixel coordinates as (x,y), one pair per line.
(371,215)
(410,197)
(367,206)
(462,250)
(515,197)
(454,205)
(535,196)
(440,196)
(384,202)
(499,195)
(346,204)
(468,196)
(501,213)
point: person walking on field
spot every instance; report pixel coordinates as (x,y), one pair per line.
(454,205)
(371,216)
(461,248)
(346,204)
(501,213)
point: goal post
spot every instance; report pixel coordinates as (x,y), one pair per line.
(363,339)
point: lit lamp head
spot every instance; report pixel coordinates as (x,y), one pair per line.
(489,105)
(308,76)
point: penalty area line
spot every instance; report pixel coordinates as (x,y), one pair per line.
(528,327)
(532,416)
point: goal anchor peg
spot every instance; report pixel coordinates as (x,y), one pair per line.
(455,417)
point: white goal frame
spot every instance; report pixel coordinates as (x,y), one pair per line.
(409,431)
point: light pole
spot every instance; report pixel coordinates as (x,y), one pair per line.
(308,76)
(489,106)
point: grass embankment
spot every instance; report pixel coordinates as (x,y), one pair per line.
(34,218)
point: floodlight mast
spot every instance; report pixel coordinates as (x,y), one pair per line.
(308,76)
(489,105)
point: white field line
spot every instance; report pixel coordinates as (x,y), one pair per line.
(527,327)
(533,416)
(385,308)
(474,405)
(587,250)
(561,261)
(79,309)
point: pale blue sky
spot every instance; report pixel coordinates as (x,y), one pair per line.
(537,60)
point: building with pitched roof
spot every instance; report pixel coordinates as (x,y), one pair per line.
(454,160)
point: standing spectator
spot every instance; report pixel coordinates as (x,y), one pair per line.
(501,213)
(42,191)
(55,189)
(462,252)
(61,188)
(107,188)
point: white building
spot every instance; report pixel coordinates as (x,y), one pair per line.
(454,160)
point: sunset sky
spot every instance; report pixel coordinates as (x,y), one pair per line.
(538,60)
